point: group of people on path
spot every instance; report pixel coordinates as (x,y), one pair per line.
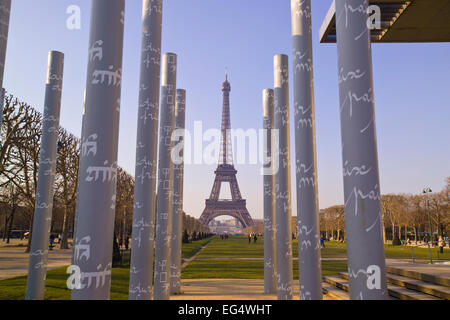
(224,236)
(125,242)
(254,236)
(437,242)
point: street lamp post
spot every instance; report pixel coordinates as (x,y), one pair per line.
(426,191)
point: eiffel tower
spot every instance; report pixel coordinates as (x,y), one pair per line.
(225,172)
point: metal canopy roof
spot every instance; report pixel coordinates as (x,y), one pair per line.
(401,21)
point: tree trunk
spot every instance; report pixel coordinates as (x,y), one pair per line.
(5,230)
(30,233)
(124,235)
(11,219)
(65,231)
(415,235)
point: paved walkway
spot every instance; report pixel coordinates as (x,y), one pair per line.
(13,243)
(185,262)
(14,260)
(439,269)
(226,289)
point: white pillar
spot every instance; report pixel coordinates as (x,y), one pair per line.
(365,247)
(269,196)
(165,178)
(310,272)
(96,199)
(42,220)
(177,202)
(5,12)
(283,180)
(141,265)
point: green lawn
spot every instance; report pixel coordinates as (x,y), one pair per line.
(246,269)
(190,249)
(404,252)
(234,247)
(217,261)
(239,247)
(56,288)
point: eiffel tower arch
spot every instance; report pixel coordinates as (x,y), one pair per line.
(236,207)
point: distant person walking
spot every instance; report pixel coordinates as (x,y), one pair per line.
(322,242)
(255,238)
(441,244)
(52,241)
(249,238)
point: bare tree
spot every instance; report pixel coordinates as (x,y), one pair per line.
(124,202)
(438,211)
(66,179)
(11,200)
(19,164)
(16,120)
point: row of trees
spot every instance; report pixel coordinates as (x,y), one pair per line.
(193,229)
(194,236)
(19,165)
(405,216)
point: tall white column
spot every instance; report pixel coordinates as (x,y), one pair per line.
(365,248)
(310,272)
(269,196)
(141,266)
(5,12)
(2,104)
(96,199)
(177,202)
(165,178)
(283,179)
(42,220)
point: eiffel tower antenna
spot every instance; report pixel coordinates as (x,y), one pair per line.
(226,150)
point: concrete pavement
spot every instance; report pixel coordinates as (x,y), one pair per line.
(14,260)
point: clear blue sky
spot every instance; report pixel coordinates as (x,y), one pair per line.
(411,86)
